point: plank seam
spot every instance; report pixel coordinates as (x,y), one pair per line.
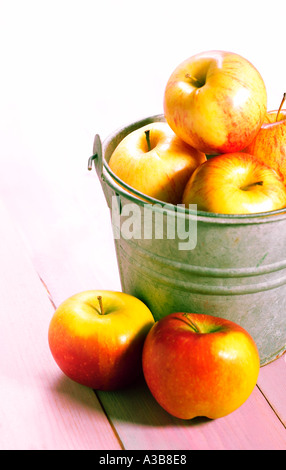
(48,292)
(110,422)
(273,409)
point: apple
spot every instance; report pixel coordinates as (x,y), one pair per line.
(269,145)
(199,365)
(235,183)
(154,161)
(215,101)
(96,338)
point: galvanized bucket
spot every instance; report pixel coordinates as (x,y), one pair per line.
(227,266)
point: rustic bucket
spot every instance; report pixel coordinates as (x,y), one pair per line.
(230,266)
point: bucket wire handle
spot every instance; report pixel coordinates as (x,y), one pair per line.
(96,157)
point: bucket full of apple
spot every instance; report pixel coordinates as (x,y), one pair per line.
(197,198)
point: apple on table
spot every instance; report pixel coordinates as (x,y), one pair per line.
(269,145)
(156,162)
(235,183)
(96,338)
(199,365)
(215,101)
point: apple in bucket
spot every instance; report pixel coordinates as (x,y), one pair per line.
(154,161)
(269,145)
(235,183)
(215,101)
(96,338)
(199,365)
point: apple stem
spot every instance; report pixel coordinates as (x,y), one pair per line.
(192,324)
(195,81)
(99,298)
(280,107)
(257,183)
(147,133)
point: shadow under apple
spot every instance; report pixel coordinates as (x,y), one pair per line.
(136,404)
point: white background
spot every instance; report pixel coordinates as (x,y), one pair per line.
(74,68)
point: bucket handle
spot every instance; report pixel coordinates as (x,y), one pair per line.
(96,157)
(98,164)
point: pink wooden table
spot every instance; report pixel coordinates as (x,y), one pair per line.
(54,241)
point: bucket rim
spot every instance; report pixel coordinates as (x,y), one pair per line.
(123,189)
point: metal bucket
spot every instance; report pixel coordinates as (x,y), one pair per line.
(231,266)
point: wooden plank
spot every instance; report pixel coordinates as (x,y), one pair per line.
(65,227)
(40,408)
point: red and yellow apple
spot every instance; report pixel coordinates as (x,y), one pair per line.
(96,338)
(154,161)
(199,365)
(235,183)
(215,101)
(269,145)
